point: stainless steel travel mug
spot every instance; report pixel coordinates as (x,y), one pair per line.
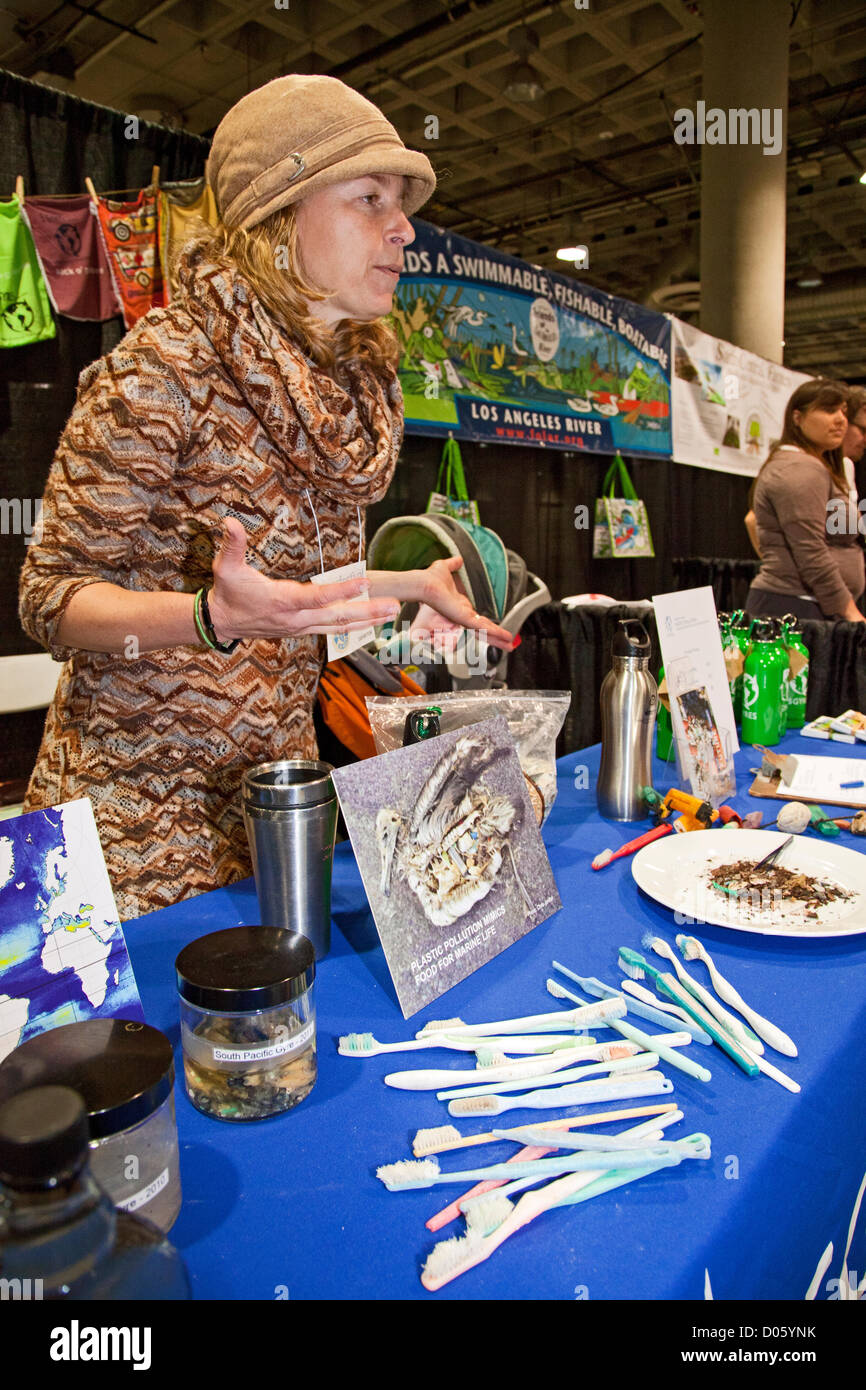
(290,814)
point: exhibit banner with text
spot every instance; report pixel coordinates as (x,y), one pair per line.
(728,404)
(497,350)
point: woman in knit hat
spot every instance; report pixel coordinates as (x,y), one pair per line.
(215,462)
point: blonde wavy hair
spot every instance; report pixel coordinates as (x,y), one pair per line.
(268,258)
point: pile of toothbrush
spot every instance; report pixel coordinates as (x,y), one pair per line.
(549,1062)
(743,1041)
(549,1049)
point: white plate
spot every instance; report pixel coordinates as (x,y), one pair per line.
(675,871)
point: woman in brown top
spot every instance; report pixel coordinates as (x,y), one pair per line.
(262,406)
(811,558)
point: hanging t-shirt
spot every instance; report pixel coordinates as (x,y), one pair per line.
(181,207)
(25,313)
(72,255)
(129,231)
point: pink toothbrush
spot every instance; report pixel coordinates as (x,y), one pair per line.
(607,855)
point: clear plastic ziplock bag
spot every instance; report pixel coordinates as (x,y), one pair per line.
(534,719)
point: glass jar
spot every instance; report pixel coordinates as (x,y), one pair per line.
(124,1072)
(247,1021)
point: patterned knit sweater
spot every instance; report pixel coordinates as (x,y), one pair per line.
(204,410)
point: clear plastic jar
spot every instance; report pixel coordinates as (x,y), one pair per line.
(248,1022)
(142,1158)
(124,1072)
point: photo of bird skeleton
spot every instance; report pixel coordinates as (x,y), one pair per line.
(451,846)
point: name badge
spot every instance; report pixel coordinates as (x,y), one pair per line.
(343,643)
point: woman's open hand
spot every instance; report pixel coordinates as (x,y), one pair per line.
(245,603)
(446,608)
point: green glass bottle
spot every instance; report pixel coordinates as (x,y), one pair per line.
(782,658)
(664,728)
(728,647)
(762,686)
(741,625)
(798,685)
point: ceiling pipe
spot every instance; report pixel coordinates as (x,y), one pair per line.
(680,263)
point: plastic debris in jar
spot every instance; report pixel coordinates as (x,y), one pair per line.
(248,1021)
(124,1072)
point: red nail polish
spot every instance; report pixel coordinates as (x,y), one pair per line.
(517,641)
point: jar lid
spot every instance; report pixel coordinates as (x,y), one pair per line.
(243,969)
(123,1070)
(43,1135)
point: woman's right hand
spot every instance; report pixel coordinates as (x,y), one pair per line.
(245,603)
(852,613)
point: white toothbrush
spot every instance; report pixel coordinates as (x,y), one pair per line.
(445,1137)
(692,949)
(732,1025)
(643,1061)
(365,1045)
(651,1042)
(647,997)
(769,1070)
(647,1083)
(588,1016)
(413,1173)
(512,1071)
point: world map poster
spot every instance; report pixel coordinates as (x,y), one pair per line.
(63,956)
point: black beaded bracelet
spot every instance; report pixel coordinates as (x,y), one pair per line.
(207,624)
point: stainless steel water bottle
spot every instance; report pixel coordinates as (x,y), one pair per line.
(629,701)
(290,814)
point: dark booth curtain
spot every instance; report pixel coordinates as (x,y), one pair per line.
(54,140)
(569,649)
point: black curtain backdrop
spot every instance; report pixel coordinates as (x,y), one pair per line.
(54,141)
(533,497)
(569,648)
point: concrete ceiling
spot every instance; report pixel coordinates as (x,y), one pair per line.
(592,160)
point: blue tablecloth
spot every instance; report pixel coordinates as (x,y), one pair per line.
(291,1207)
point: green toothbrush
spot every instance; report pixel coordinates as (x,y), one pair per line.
(637,966)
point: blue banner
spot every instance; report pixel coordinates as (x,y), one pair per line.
(496,349)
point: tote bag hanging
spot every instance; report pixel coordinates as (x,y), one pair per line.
(451,497)
(622,530)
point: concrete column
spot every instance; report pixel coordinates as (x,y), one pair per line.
(745,46)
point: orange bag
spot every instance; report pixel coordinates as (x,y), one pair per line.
(342,690)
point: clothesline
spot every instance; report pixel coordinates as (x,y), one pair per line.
(106,193)
(95,258)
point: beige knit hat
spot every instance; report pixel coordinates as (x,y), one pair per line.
(300,133)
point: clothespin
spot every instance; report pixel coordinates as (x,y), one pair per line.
(19,188)
(154,178)
(88,184)
(782,765)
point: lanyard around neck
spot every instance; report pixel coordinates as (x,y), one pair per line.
(319,534)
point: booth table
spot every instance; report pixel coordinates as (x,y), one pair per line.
(290,1207)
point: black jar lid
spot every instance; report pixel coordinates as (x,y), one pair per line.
(244,969)
(43,1135)
(122,1069)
